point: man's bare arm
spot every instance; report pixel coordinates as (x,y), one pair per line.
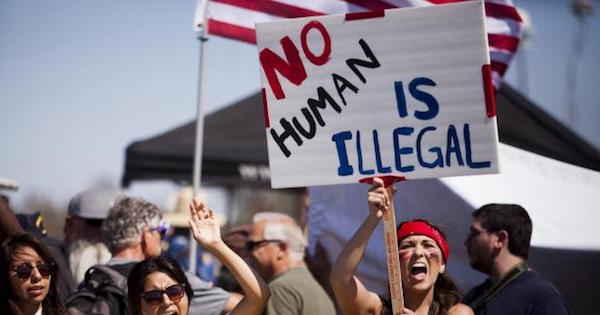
(9,225)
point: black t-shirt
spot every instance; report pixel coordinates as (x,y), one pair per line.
(528,294)
(124,269)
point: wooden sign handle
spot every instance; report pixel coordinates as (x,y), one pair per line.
(393,261)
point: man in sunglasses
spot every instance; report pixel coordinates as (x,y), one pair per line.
(276,250)
(498,245)
(133,231)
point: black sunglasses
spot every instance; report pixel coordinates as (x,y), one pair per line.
(174,292)
(24,270)
(251,245)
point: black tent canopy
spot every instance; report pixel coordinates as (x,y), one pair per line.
(524,125)
(235,149)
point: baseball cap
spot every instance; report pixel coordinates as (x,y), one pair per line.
(92,204)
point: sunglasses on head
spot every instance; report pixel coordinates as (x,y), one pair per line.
(24,270)
(174,292)
(251,245)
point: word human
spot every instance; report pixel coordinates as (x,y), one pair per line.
(294,71)
(428,157)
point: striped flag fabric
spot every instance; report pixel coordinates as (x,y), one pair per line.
(235,19)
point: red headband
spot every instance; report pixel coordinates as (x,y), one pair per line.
(418,227)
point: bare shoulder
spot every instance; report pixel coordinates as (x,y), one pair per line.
(460,309)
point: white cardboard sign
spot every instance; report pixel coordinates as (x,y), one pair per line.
(402,92)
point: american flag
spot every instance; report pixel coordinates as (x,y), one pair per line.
(235,19)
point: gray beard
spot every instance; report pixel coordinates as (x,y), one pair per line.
(83,254)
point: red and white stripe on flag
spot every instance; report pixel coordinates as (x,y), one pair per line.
(235,19)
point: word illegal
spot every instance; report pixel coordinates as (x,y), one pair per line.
(436,156)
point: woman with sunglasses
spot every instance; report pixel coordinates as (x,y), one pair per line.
(162,286)
(28,277)
(159,286)
(423,253)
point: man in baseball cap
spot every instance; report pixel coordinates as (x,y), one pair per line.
(87,210)
(85,248)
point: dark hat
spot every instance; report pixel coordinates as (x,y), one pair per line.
(32,223)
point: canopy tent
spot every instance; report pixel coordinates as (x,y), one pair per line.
(235,149)
(524,125)
(544,166)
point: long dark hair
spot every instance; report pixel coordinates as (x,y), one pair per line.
(135,281)
(445,295)
(51,303)
(445,291)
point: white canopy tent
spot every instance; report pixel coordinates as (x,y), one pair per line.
(562,200)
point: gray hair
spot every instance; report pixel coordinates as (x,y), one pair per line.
(283,228)
(126,221)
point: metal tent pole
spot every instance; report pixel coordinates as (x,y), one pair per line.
(199,136)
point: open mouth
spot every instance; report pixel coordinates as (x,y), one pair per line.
(418,270)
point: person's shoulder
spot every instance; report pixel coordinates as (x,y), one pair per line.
(285,285)
(476,291)
(538,284)
(282,284)
(545,295)
(122,267)
(534,292)
(197,282)
(294,279)
(284,294)
(289,275)
(460,309)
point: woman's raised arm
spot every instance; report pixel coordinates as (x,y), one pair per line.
(352,296)
(208,234)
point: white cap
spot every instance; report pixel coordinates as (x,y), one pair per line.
(92,204)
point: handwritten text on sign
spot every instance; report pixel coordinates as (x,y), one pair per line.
(400,92)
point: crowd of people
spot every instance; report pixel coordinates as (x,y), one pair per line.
(111,262)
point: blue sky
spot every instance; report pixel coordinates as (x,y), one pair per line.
(80,80)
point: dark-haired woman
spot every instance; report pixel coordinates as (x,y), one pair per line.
(159,286)
(28,277)
(423,253)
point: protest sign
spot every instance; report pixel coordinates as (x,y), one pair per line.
(404,92)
